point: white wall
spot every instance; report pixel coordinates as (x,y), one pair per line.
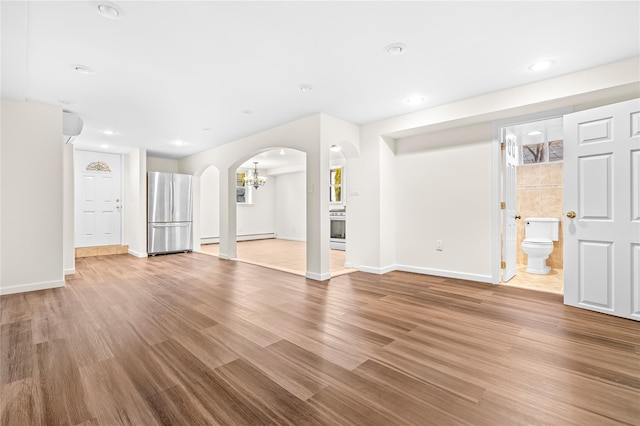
(258,217)
(291,206)
(210,205)
(32,197)
(444,194)
(68,212)
(135,190)
(372,212)
(166,165)
(255,219)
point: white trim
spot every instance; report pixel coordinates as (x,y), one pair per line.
(209,240)
(318,277)
(137,253)
(378,271)
(247,237)
(22,288)
(291,238)
(250,237)
(444,273)
(223,256)
(70,271)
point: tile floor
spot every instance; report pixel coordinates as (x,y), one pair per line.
(552,282)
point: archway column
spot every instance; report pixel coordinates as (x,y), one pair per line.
(228,247)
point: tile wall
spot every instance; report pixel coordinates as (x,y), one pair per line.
(539,194)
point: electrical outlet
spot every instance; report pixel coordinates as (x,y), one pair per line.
(439,245)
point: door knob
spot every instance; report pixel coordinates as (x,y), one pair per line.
(518,216)
(571,214)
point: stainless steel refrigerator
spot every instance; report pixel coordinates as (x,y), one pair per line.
(169,213)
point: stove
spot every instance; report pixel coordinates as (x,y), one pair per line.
(338,234)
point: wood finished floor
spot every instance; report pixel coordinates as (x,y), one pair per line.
(190,339)
(283,255)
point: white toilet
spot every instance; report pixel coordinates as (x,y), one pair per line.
(540,233)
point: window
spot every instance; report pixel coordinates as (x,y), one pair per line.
(243,191)
(335,185)
(545,152)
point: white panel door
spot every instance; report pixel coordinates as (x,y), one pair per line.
(509,211)
(98,199)
(602,202)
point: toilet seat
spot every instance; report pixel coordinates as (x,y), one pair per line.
(538,241)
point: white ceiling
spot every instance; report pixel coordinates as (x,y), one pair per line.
(166,71)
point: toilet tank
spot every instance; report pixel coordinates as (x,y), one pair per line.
(542,227)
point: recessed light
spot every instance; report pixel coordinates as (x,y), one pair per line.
(178,142)
(395,49)
(335,148)
(104,146)
(83,69)
(282,152)
(542,65)
(108,11)
(109,132)
(305,88)
(415,100)
(534,133)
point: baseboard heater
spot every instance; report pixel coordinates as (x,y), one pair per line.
(244,237)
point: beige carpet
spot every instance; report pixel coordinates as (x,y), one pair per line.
(283,255)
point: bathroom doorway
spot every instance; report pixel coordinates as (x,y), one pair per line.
(538,189)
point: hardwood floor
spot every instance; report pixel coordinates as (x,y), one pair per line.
(190,339)
(283,255)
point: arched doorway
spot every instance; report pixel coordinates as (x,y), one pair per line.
(271,218)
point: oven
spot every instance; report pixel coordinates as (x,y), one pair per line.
(338,229)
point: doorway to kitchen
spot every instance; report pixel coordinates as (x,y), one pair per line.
(533,209)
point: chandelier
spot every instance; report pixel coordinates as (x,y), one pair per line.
(256,180)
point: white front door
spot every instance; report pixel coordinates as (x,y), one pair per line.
(98,199)
(509,211)
(602,205)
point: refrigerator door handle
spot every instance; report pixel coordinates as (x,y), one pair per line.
(166,225)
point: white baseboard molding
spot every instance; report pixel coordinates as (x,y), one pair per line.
(318,277)
(210,240)
(137,253)
(377,271)
(280,237)
(70,271)
(247,237)
(23,288)
(444,273)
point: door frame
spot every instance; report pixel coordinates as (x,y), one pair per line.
(496,181)
(123,204)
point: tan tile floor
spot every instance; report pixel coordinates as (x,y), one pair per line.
(552,282)
(283,255)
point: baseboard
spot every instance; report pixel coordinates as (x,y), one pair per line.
(250,237)
(444,273)
(247,237)
(377,271)
(210,240)
(280,237)
(137,253)
(23,288)
(70,271)
(318,277)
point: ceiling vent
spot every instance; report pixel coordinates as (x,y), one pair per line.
(71,126)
